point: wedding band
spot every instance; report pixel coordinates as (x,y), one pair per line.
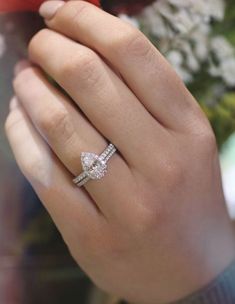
(94,166)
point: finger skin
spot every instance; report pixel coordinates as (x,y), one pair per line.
(65,202)
(84,229)
(57,119)
(143,68)
(68,133)
(110,106)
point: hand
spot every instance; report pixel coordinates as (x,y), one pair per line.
(155,228)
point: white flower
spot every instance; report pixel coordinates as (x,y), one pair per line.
(214,71)
(228,71)
(176,59)
(183,21)
(190,59)
(207,9)
(224,65)
(183,74)
(182,32)
(201,41)
(131,20)
(216,9)
(221,47)
(154,23)
(225,70)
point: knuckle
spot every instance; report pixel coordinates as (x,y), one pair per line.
(86,68)
(133,43)
(74,10)
(56,124)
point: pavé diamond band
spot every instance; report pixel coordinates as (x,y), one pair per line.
(94,166)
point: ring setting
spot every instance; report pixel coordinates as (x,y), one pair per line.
(94,166)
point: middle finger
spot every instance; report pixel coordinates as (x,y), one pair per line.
(103,97)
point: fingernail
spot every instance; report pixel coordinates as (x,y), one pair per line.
(13,103)
(21,65)
(49,8)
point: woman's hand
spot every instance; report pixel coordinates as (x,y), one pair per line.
(155,228)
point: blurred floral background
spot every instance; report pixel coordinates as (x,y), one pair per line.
(198,39)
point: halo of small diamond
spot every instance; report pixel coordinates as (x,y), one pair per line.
(93,165)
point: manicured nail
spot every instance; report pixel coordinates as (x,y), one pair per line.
(13,103)
(49,8)
(21,65)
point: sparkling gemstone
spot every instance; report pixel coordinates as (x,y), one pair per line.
(94,167)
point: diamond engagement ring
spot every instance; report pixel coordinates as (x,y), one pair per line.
(94,166)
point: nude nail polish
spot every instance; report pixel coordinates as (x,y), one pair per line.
(49,8)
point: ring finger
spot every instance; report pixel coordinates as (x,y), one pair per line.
(69,133)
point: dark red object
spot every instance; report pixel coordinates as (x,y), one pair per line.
(129,7)
(26,5)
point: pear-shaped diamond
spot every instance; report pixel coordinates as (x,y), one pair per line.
(94,167)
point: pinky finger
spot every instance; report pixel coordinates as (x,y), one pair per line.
(65,202)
